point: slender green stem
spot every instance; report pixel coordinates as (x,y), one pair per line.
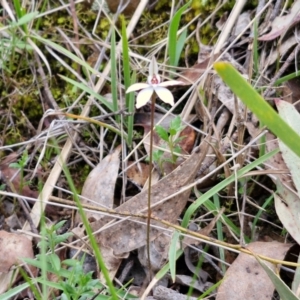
(149,182)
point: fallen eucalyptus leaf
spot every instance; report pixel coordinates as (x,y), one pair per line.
(246,279)
(127,235)
(291,116)
(99,187)
(283,290)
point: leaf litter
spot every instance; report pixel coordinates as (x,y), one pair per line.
(127,235)
(222,115)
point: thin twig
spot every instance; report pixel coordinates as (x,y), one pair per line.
(149,183)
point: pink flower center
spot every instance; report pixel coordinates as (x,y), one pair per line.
(154,80)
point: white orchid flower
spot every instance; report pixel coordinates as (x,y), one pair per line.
(153,85)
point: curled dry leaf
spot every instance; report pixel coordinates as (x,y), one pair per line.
(137,174)
(291,116)
(128,235)
(282,49)
(191,282)
(13,247)
(159,250)
(246,279)
(99,187)
(162,293)
(281,24)
(287,203)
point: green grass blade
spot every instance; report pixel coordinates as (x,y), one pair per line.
(180,45)
(18,8)
(286,78)
(172,40)
(194,206)
(173,254)
(220,235)
(92,239)
(32,287)
(264,112)
(126,64)
(283,290)
(129,98)
(89,91)
(114,77)
(212,289)
(255,48)
(259,213)
(165,269)
(26,19)
(14,291)
(65,52)
(130,118)
(210,206)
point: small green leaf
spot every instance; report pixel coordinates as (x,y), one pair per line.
(176,124)
(26,18)
(177,149)
(15,165)
(157,155)
(62,237)
(59,225)
(172,254)
(163,134)
(55,261)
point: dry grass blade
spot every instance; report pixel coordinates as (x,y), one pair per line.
(63,158)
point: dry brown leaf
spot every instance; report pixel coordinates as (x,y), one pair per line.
(246,279)
(162,293)
(281,24)
(99,187)
(192,74)
(159,252)
(288,203)
(128,235)
(282,49)
(112,262)
(13,248)
(191,282)
(137,174)
(189,240)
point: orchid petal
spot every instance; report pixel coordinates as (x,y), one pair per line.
(144,96)
(164,94)
(170,83)
(137,86)
(153,67)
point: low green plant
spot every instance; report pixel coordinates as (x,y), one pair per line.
(21,164)
(172,142)
(71,279)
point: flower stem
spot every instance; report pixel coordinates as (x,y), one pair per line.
(149,182)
